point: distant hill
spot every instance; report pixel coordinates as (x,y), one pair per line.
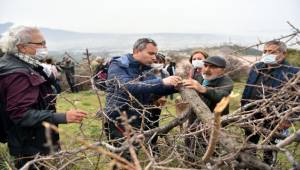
(225,49)
(75,42)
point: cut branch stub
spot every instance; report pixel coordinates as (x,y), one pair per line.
(214,135)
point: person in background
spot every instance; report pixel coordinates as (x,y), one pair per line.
(159,65)
(158,102)
(97,64)
(69,68)
(197,60)
(170,67)
(56,74)
(100,68)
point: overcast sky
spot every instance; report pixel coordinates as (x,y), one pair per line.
(241,17)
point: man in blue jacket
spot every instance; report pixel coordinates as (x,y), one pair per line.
(131,83)
(265,78)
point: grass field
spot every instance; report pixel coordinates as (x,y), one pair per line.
(91,127)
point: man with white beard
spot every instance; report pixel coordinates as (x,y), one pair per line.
(215,84)
(212,88)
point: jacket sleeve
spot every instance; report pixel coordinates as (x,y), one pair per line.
(134,86)
(21,96)
(217,93)
(252,76)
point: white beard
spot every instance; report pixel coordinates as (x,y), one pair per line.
(210,77)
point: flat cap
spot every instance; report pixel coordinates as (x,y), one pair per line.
(216,61)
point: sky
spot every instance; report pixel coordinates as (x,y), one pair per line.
(236,17)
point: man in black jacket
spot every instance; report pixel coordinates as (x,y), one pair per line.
(212,88)
(25,96)
(215,85)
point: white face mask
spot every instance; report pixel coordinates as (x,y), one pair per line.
(269,58)
(41,53)
(197,63)
(157,66)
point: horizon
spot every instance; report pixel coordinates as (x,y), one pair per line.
(248,17)
(123,33)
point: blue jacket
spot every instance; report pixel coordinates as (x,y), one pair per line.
(279,79)
(130,86)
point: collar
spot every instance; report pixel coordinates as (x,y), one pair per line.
(29,60)
(262,65)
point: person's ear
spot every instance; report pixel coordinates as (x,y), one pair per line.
(284,53)
(135,51)
(21,48)
(222,71)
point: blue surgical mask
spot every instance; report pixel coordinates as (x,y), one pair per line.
(205,83)
(269,58)
(41,53)
(197,63)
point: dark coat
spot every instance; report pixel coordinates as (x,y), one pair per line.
(216,90)
(279,78)
(25,104)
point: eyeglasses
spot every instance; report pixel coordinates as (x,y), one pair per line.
(43,43)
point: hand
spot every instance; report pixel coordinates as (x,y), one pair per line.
(193,84)
(171,81)
(75,116)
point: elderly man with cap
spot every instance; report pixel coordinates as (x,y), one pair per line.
(214,86)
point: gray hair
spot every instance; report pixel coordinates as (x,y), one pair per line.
(141,44)
(15,36)
(280,44)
